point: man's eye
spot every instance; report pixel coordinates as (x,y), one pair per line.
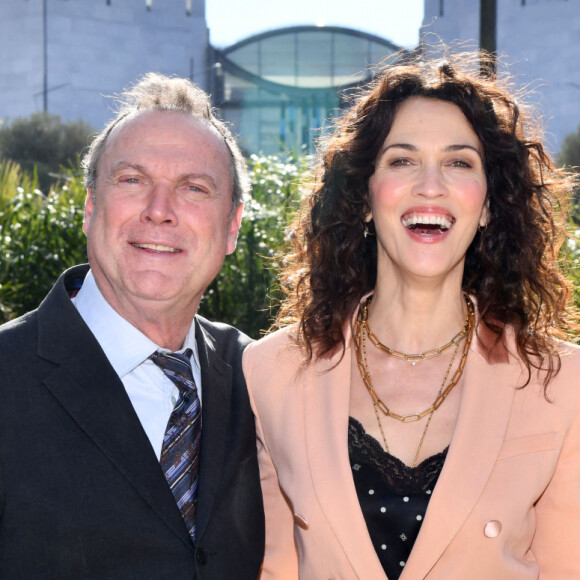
(197,189)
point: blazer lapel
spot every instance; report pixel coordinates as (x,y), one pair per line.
(90,391)
(216,381)
(479,434)
(326,413)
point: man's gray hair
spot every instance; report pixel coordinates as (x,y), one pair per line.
(156,92)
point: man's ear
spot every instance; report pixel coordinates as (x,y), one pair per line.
(234,228)
(89,206)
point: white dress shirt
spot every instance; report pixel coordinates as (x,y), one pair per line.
(152,394)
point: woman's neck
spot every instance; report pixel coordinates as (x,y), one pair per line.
(416,319)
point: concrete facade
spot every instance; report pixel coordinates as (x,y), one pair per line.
(538,40)
(93,48)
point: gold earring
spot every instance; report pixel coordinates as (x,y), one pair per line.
(367,232)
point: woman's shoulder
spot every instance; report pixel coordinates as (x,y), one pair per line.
(569,354)
(278,348)
(282,338)
(563,388)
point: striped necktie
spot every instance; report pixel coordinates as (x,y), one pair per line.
(181,444)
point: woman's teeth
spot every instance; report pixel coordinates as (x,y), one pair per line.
(441,222)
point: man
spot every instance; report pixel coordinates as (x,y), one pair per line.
(108,469)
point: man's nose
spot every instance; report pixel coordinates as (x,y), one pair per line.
(160,206)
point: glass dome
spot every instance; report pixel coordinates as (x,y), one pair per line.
(279,87)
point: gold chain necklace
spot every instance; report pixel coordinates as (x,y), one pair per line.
(413,358)
(362,367)
(359,342)
(375,406)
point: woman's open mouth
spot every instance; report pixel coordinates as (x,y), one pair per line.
(427,224)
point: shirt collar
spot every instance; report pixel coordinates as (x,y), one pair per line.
(125,346)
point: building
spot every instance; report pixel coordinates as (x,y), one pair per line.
(66,56)
(539,40)
(278,88)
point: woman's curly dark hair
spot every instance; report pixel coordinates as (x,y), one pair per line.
(511,267)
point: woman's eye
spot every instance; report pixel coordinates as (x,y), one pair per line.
(400,162)
(460,163)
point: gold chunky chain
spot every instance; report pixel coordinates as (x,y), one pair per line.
(362,363)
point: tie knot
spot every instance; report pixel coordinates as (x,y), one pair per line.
(177,367)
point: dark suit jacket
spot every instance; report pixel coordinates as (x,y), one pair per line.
(82,494)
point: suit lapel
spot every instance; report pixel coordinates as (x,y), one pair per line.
(90,391)
(479,434)
(216,381)
(326,423)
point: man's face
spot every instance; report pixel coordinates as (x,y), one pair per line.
(158,224)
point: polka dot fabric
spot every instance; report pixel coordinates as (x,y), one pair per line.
(393,496)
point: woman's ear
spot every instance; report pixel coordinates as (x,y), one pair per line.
(484,217)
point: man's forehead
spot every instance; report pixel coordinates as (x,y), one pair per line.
(157,132)
(152,119)
(150,133)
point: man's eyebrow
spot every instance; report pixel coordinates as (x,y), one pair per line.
(120,165)
(203,176)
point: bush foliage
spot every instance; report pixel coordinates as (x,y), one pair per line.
(570,153)
(244,293)
(44,143)
(41,235)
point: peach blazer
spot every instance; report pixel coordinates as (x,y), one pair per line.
(506,505)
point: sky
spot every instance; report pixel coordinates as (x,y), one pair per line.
(230,21)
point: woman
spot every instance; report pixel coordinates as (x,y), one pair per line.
(420,418)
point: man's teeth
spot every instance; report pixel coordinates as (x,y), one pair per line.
(427,220)
(156,248)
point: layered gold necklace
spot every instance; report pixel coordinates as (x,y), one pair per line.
(362,331)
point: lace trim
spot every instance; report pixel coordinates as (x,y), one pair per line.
(401,478)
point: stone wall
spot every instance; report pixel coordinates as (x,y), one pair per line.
(539,41)
(93,48)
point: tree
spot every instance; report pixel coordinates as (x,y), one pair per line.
(570,157)
(570,153)
(44,143)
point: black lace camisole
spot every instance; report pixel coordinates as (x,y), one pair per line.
(393,496)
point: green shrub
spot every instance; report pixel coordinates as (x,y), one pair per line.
(570,151)
(244,293)
(41,235)
(43,143)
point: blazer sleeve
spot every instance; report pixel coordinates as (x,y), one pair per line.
(557,539)
(280,557)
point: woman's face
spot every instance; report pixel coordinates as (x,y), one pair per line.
(428,191)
